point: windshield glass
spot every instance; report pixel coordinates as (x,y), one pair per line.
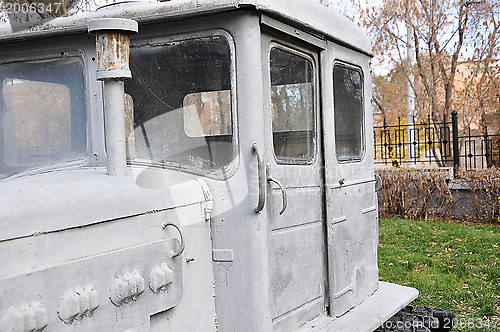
(181,105)
(42,114)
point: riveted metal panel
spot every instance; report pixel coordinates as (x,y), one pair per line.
(71,254)
(50,283)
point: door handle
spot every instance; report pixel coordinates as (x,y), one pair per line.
(283,191)
(262,178)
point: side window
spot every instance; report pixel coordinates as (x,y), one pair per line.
(42,113)
(180,104)
(292,106)
(348,113)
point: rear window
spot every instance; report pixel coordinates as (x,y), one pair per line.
(349,112)
(42,113)
(180,105)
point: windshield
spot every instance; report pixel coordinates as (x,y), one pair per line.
(181,105)
(42,114)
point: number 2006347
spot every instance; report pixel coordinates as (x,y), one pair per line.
(471,323)
(476,323)
(33,7)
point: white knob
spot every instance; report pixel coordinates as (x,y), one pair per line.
(13,321)
(29,317)
(42,317)
(139,280)
(84,300)
(131,285)
(69,307)
(157,279)
(93,298)
(168,274)
(118,292)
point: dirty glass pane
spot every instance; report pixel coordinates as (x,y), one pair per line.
(182,104)
(43,119)
(207,113)
(292,106)
(348,104)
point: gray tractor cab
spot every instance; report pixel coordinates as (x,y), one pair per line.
(190,166)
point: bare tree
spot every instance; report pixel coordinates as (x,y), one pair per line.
(446,34)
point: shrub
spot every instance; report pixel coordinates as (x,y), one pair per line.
(484,197)
(425,194)
(414,194)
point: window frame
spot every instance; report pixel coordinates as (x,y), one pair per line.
(308,55)
(358,69)
(53,54)
(230,169)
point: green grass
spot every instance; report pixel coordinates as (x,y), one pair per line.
(454,266)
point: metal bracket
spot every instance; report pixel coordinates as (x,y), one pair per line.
(183,244)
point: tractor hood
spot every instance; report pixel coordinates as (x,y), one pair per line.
(69,199)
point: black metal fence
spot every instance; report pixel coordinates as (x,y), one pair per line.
(31,154)
(438,144)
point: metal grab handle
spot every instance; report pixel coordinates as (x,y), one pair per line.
(283,192)
(262,178)
(183,244)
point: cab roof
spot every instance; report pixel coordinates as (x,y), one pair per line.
(310,16)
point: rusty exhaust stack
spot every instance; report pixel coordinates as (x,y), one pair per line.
(113,52)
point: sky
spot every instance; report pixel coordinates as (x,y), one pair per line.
(345,7)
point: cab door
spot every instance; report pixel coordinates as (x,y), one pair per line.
(351,204)
(293,156)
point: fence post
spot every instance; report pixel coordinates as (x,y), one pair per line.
(456,151)
(486,148)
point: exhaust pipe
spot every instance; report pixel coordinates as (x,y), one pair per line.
(113,53)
